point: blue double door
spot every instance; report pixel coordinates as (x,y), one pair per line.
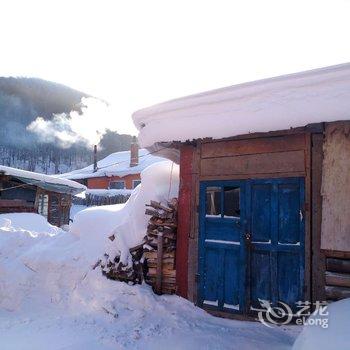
(251,243)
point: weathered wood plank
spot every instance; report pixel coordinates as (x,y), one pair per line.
(337,279)
(338,265)
(159,270)
(318,258)
(336,188)
(278,162)
(337,293)
(253,146)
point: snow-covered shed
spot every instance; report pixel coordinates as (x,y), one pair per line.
(26,191)
(264,209)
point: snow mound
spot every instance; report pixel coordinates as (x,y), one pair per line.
(334,334)
(128,222)
(35,223)
(51,292)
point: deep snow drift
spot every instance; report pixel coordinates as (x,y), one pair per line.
(53,297)
(128,222)
(335,336)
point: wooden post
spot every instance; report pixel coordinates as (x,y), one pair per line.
(159,263)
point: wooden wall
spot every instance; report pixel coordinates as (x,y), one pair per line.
(335,237)
(284,154)
(336,188)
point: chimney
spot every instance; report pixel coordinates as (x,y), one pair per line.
(95,158)
(134,152)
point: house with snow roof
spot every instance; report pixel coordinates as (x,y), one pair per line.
(118,171)
(264,199)
(26,191)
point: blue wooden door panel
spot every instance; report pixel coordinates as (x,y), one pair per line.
(260,215)
(221,244)
(251,243)
(260,281)
(289,213)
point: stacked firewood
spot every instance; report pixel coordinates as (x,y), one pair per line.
(114,269)
(154,259)
(159,252)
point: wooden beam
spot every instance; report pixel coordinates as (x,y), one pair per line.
(318,263)
(337,279)
(338,265)
(337,293)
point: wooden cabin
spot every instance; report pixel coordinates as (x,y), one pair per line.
(25,191)
(264,199)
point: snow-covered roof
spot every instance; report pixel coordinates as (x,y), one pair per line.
(46,182)
(116,164)
(279,103)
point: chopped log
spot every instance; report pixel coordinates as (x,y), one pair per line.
(338,265)
(337,293)
(158,205)
(159,268)
(337,279)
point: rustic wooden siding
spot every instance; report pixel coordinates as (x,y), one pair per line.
(184,222)
(336,188)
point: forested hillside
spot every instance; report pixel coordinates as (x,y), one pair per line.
(22,100)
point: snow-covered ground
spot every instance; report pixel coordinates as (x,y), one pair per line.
(52,295)
(52,298)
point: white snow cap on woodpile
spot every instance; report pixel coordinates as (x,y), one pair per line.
(294,100)
(159,182)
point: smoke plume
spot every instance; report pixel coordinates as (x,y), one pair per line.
(84,128)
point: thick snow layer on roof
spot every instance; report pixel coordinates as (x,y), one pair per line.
(294,100)
(43,180)
(116,164)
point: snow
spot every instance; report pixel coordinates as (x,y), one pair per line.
(335,336)
(116,164)
(108,193)
(52,297)
(75,209)
(294,100)
(222,241)
(128,222)
(38,178)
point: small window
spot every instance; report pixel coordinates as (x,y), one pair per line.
(117,185)
(213,204)
(135,183)
(231,202)
(43,205)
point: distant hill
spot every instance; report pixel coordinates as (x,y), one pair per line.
(22,100)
